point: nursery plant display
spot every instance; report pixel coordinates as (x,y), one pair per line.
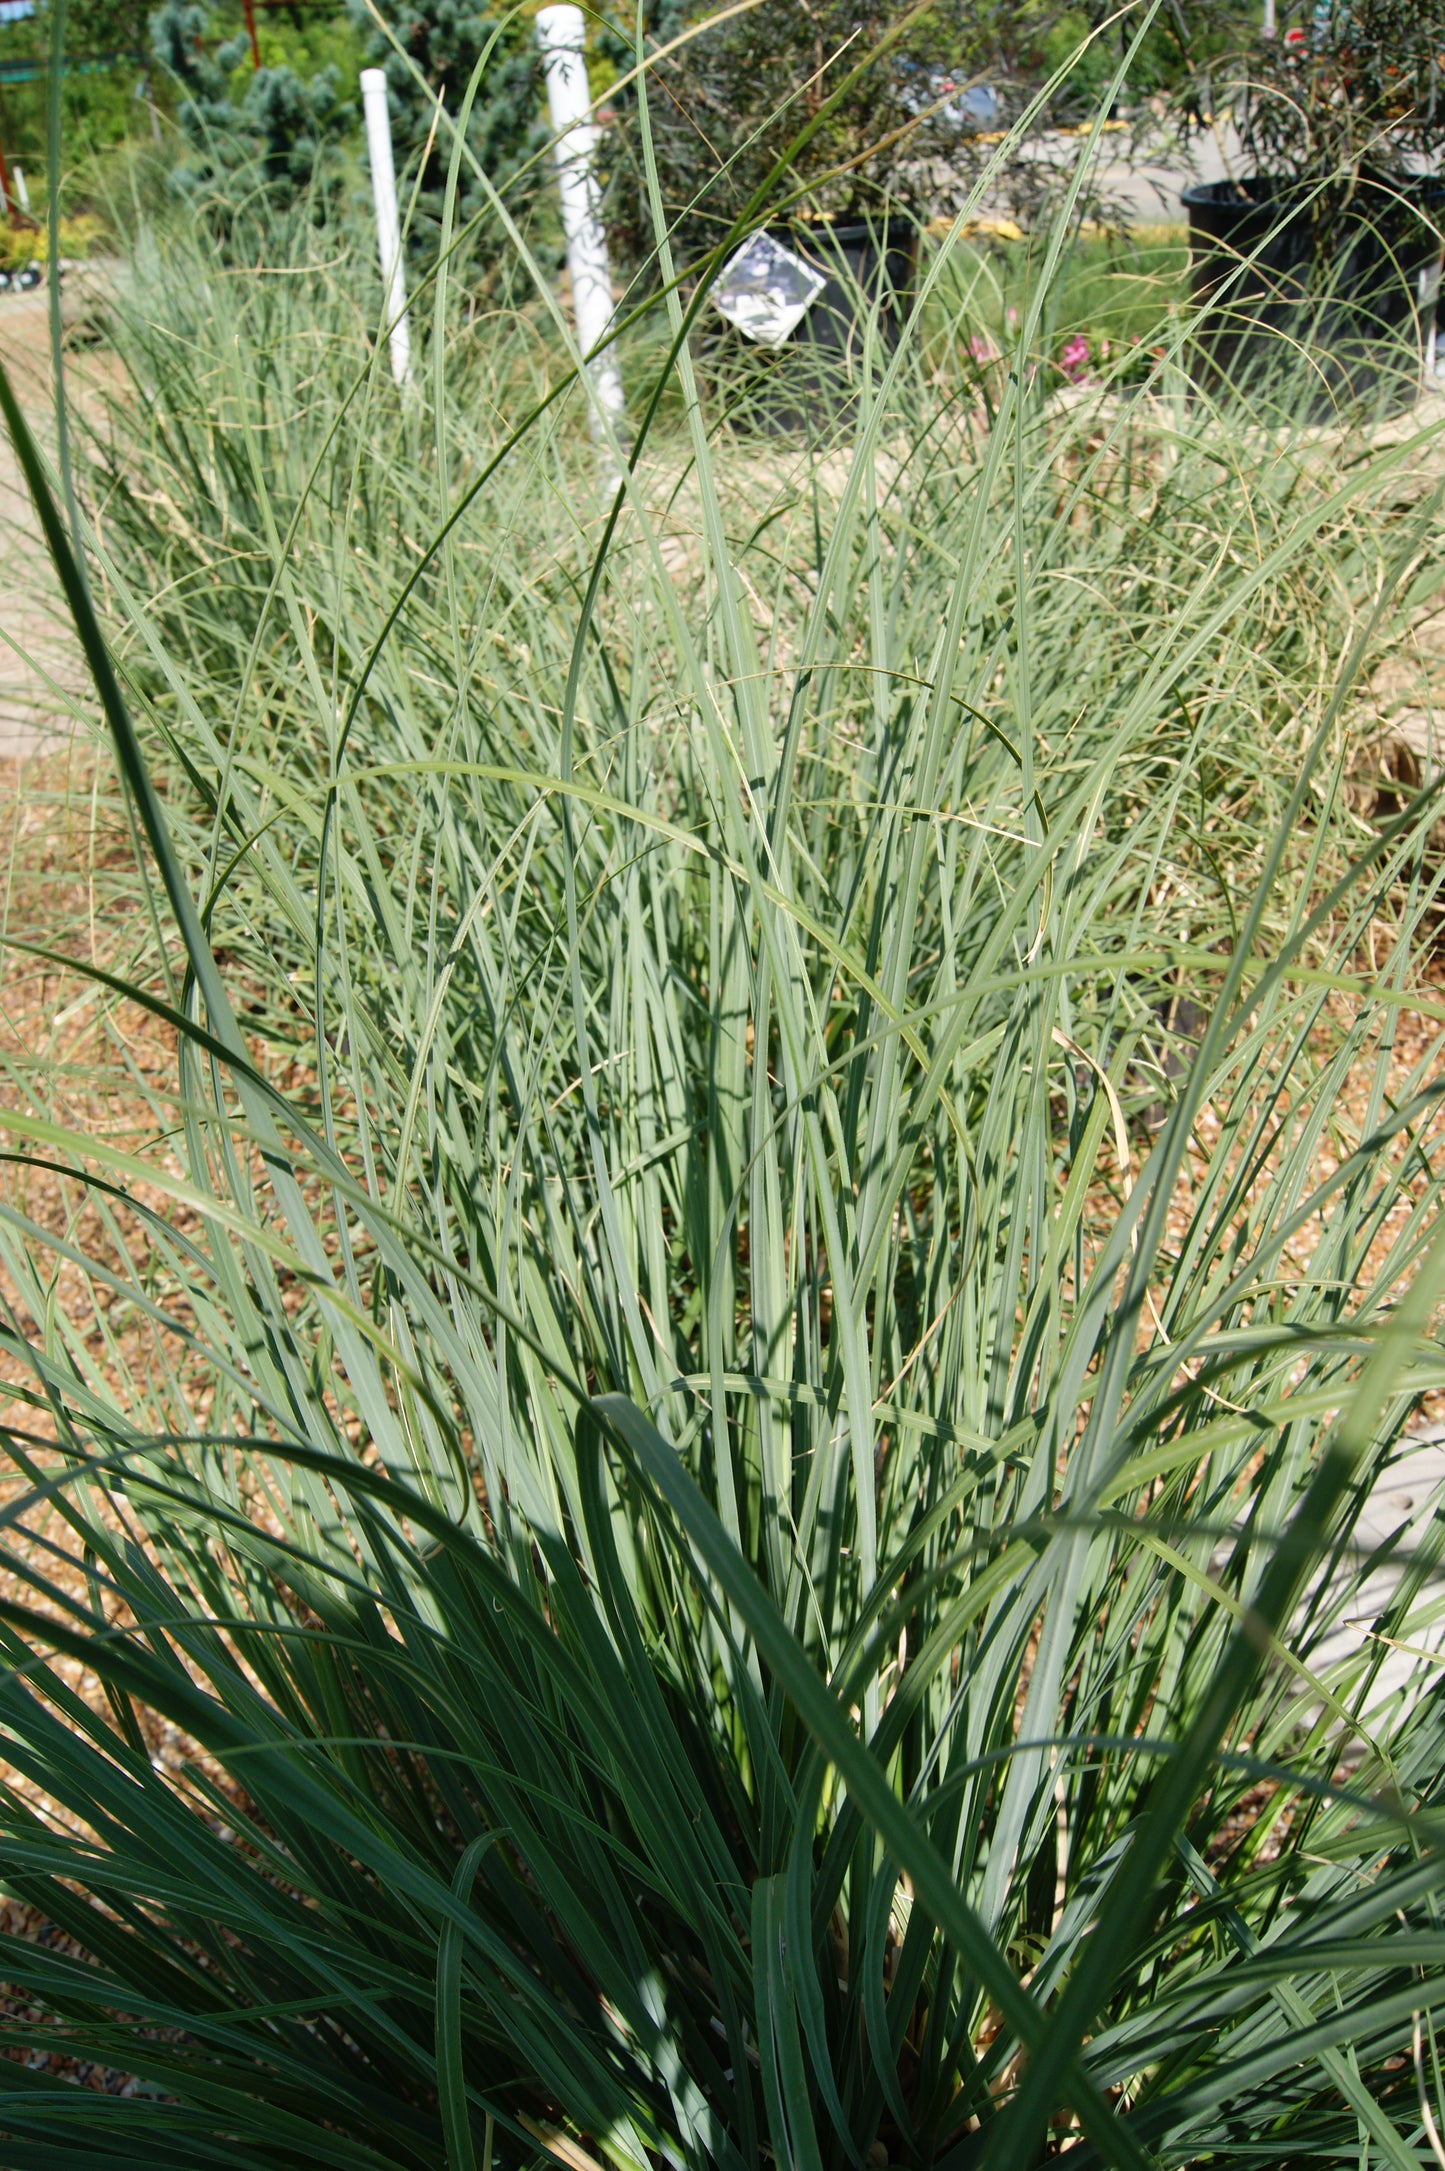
(814,121)
(1345,90)
(822,110)
(837,137)
(683,1455)
(733,96)
(1330,235)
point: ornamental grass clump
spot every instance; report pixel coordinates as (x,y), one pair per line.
(695,1504)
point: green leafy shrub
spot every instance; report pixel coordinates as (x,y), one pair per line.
(22,245)
(1349,89)
(697,1479)
(98,104)
(823,106)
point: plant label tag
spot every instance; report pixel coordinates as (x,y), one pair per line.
(765,290)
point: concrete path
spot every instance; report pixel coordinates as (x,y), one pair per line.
(1149,193)
(1400,1508)
(1138,189)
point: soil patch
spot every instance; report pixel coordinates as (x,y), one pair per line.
(43,683)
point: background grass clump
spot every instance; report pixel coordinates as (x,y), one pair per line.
(721,1416)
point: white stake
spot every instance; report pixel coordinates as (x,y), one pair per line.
(1270,28)
(20,189)
(388,226)
(561,32)
(1429,303)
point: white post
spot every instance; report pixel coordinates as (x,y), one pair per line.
(1429,302)
(20,189)
(561,32)
(388,225)
(1270,27)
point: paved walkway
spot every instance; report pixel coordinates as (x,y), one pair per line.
(1149,193)
(1140,191)
(1401,1507)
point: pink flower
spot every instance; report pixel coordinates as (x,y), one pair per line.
(982,350)
(1074,360)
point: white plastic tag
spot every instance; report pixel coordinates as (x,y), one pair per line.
(765,290)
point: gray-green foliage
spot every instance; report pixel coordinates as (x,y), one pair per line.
(430,50)
(278,137)
(716,1565)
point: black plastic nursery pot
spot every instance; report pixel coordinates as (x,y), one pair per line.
(867,267)
(812,381)
(1311,307)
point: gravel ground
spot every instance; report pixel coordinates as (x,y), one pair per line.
(41,674)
